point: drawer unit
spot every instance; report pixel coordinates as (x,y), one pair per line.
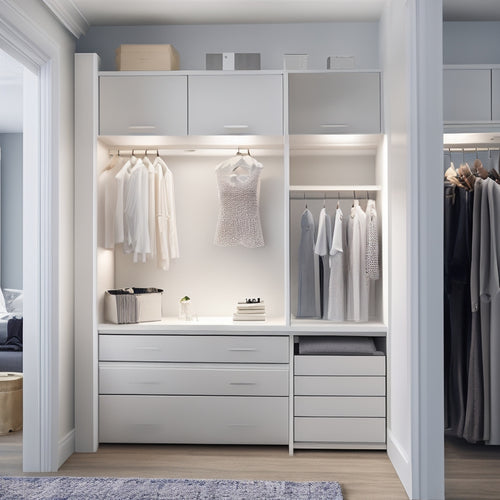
(339,401)
(163,378)
(340,430)
(193,348)
(143,105)
(193,419)
(236,104)
(206,389)
(334,103)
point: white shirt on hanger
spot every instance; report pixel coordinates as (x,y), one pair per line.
(109,193)
(336,293)
(357,282)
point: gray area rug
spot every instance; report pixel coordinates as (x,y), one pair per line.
(99,488)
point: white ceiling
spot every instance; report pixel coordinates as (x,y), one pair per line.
(133,12)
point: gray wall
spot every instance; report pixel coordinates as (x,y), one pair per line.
(12,210)
(471,42)
(319,40)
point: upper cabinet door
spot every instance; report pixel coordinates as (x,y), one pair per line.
(143,105)
(334,103)
(235,104)
(495,95)
(467,95)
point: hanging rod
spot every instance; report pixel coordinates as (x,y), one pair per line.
(340,195)
(334,189)
(468,149)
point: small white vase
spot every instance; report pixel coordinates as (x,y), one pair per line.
(185,312)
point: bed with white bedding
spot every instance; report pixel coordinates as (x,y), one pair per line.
(11,330)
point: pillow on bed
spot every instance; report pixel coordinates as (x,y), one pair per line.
(3,308)
(13,300)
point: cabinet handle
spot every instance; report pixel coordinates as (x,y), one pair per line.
(146,383)
(242,349)
(235,126)
(242,383)
(147,348)
(334,125)
(241,425)
(142,127)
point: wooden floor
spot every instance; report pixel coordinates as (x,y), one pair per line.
(472,471)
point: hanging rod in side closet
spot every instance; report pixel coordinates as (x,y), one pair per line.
(332,192)
(468,149)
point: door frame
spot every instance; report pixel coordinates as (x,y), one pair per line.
(21,38)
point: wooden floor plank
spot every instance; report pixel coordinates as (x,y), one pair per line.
(472,471)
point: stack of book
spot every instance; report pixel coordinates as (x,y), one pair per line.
(250,311)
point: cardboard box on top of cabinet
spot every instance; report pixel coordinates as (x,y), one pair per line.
(147,57)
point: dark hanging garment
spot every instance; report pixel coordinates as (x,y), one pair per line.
(458,319)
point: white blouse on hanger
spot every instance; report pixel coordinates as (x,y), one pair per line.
(167,242)
(336,295)
(357,282)
(109,193)
(238,182)
(136,212)
(372,253)
(322,248)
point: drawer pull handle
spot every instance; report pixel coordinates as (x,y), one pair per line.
(242,383)
(242,349)
(147,348)
(146,383)
(334,125)
(141,127)
(241,425)
(235,126)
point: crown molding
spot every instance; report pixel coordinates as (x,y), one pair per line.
(69,16)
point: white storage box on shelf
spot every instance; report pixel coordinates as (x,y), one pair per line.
(147,302)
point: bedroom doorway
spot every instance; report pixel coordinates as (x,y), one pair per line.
(11,238)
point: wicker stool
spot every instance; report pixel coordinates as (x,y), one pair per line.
(11,402)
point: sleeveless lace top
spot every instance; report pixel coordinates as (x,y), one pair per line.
(239,218)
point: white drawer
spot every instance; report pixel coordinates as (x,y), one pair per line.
(193,349)
(343,430)
(339,365)
(339,386)
(331,406)
(193,419)
(211,379)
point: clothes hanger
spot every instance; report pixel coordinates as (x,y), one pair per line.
(338,200)
(112,162)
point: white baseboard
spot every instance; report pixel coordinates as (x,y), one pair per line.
(66,447)
(400,461)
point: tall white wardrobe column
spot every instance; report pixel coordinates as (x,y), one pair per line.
(86,130)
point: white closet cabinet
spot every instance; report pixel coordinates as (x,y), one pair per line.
(339,401)
(209,389)
(214,380)
(143,105)
(236,104)
(466,95)
(334,103)
(495,95)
